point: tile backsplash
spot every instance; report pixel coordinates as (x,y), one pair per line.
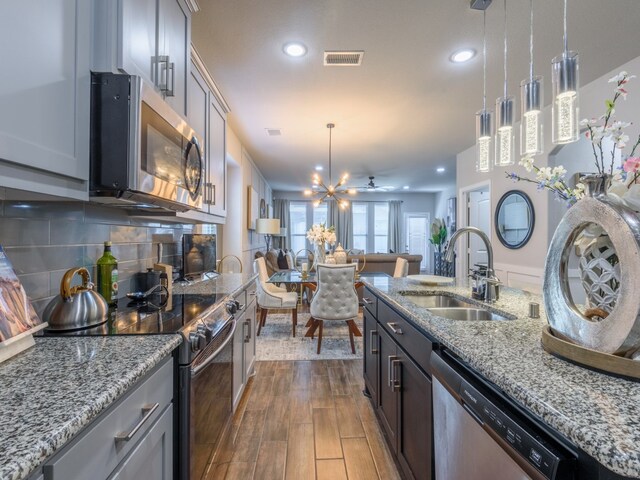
(45,239)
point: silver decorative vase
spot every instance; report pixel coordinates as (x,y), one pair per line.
(320,254)
(609,263)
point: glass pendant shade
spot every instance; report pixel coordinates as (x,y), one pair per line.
(505,138)
(483,141)
(531,101)
(565,107)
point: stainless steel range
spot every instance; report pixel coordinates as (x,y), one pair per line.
(204,390)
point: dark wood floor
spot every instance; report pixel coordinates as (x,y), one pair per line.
(305,420)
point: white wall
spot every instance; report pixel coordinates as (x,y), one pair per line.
(517,267)
(237,238)
(411,202)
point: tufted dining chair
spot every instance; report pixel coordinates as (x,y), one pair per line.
(272,297)
(402,268)
(335,300)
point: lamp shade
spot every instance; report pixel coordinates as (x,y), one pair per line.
(268,226)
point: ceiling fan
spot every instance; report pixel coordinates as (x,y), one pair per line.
(373,187)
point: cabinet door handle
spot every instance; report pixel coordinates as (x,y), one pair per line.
(367,301)
(247,336)
(373,351)
(172,91)
(390,376)
(213,194)
(147,411)
(394,328)
(395,384)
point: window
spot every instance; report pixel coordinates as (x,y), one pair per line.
(371,226)
(381,227)
(360,225)
(302,216)
(320,214)
(298,215)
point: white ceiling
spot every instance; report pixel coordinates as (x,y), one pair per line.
(407,109)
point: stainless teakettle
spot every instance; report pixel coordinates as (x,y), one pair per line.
(76,307)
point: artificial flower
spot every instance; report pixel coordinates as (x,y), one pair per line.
(527,162)
(632,165)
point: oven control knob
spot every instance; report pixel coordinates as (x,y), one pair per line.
(205,331)
(232,307)
(193,340)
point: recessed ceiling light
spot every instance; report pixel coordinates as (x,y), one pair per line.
(463,55)
(440,169)
(319,168)
(406,187)
(294,49)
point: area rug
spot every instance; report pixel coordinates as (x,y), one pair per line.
(276,343)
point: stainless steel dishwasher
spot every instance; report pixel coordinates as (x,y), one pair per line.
(477,435)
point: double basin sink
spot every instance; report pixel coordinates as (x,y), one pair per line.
(453,308)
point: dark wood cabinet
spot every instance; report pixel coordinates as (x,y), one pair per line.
(400,386)
(371,349)
(387,407)
(415,442)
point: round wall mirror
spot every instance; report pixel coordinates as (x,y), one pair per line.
(515,219)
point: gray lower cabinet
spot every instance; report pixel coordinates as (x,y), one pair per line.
(244,343)
(132,439)
(44,106)
(153,456)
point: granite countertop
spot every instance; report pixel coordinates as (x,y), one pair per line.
(225,284)
(53,390)
(598,413)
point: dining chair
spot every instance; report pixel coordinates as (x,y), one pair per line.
(271,297)
(402,268)
(334,300)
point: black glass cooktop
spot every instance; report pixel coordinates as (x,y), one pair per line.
(153,316)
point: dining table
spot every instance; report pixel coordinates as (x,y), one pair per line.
(295,280)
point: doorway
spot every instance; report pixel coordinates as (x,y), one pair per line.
(475,211)
(416,227)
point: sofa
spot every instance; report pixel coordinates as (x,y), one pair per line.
(271,259)
(386,262)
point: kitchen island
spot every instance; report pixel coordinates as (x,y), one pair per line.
(597,413)
(55,389)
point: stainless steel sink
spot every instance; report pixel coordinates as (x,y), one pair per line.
(437,301)
(468,313)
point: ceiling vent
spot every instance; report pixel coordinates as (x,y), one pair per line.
(273,132)
(343,58)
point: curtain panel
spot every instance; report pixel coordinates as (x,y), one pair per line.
(395,213)
(281,211)
(342,220)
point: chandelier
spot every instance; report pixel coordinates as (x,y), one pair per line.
(330,191)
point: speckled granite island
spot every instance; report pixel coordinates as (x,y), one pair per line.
(598,413)
(52,391)
(225,284)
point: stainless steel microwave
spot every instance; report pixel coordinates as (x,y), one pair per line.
(143,154)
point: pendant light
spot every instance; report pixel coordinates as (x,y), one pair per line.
(564,82)
(505,139)
(328,192)
(483,117)
(531,102)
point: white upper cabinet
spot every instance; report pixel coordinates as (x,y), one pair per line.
(174,41)
(207,113)
(217,158)
(44,101)
(149,38)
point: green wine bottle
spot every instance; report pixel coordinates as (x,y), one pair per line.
(108,275)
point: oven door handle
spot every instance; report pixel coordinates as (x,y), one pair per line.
(198,369)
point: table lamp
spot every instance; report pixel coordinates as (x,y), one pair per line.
(268,227)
